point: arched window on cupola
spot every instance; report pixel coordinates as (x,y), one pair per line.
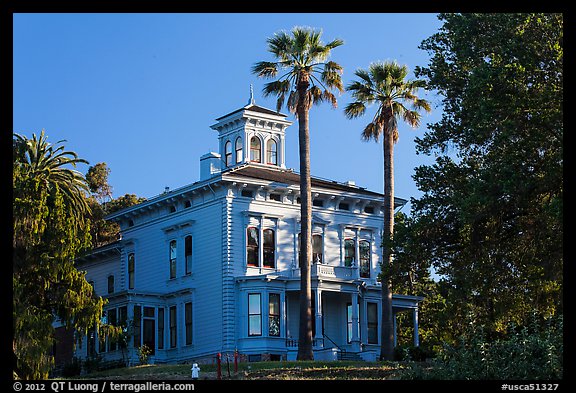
(271,152)
(239,156)
(255,149)
(228,153)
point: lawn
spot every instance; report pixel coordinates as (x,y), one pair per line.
(282,370)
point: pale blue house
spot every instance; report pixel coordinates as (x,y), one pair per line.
(212,267)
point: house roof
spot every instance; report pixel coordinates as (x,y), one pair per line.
(290,177)
(253,108)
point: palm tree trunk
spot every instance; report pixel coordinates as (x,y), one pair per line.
(305,329)
(387,338)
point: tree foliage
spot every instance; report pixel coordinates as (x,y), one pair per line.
(490,220)
(50,229)
(102,203)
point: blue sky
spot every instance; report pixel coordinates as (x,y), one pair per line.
(140,91)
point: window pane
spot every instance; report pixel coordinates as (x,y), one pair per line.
(364,258)
(255,149)
(274,304)
(110,284)
(173,259)
(254,315)
(317,248)
(131,271)
(188,253)
(252,246)
(228,153)
(239,150)
(137,326)
(271,155)
(173,249)
(274,314)
(188,322)
(254,325)
(160,328)
(253,236)
(149,312)
(269,246)
(123,315)
(254,303)
(349,251)
(372,323)
(173,327)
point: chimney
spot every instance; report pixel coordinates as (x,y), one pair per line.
(209,165)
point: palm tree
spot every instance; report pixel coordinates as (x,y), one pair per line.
(384,84)
(308,79)
(41,161)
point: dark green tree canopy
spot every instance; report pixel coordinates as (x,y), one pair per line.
(492,202)
(50,229)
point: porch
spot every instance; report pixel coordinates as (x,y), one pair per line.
(345,325)
(346,315)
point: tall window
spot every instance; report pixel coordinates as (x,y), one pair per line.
(349,322)
(160,328)
(274,314)
(255,149)
(271,152)
(172,327)
(131,270)
(188,253)
(317,246)
(364,246)
(111,284)
(252,246)
(228,153)
(188,322)
(112,320)
(254,315)
(137,326)
(372,310)
(239,150)
(173,254)
(269,247)
(349,252)
(123,316)
(149,328)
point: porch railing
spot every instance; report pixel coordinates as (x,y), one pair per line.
(336,345)
(293,342)
(321,270)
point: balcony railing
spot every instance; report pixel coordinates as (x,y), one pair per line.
(320,270)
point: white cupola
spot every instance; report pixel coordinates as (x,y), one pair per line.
(252,134)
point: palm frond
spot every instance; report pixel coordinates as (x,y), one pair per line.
(334,43)
(266,69)
(328,96)
(354,109)
(412,118)
(370,132)
(280,45)
(279,88)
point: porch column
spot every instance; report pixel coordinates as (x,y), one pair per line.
(318,301)
(415,320)
(355,342)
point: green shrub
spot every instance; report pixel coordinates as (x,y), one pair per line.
(143,352)
(410,352)
(531,352)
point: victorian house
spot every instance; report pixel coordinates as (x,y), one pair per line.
(212,267)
